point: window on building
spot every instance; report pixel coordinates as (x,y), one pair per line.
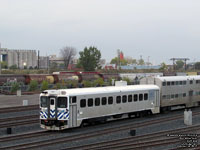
(82,103)
(118,99)
(130,98)
(184,82)
(172,83)
(110,100)
(168,83)
(164,97)
(90,102)
(124,98)
(191,82)
(177,83)
(140,97)
(145,96)
(176,95)
(135,97)
(168,96)
(180,82)
(97,101)
(103,101)
(164,83)
(172,96)
(184,94)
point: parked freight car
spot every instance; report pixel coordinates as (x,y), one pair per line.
(90,76)
(39,78)
(108,76)
(11,78)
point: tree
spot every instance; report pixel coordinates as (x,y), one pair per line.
(90,58)
(116,61)
(4,65)
(197,65)
(68,54)
(163,67)
(141,62)
(179,64)
(13,67)
(130,60)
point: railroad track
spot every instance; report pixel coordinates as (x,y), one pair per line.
(16,121)
(19,109)
(143,142)
(22,136)
(88,135)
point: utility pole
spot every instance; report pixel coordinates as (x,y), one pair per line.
(38,59)
(0,61)
(18,58)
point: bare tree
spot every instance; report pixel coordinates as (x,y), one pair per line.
(68,54)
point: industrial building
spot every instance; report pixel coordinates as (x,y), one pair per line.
(20,58)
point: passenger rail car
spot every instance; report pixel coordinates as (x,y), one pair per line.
(177,90)
(69,108)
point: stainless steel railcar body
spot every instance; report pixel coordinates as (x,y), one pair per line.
(96,104)
(177,90)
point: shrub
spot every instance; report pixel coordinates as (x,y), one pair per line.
(33,85)
(14,87)
(45,85)
(87,83)
(99,82)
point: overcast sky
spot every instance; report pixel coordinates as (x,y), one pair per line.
(160,29)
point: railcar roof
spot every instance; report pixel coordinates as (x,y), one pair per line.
(110,89)
(179,78)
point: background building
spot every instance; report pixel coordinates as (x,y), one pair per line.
(20,58)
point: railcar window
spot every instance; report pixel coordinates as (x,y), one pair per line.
(172,96)
(184,82)
(74,99)
(135,97)
(168,83)
(164,83)
(145,96)
(62,102)
(103,100)
(110,100)
(130,98)
(167,96)
(177,82)
(118,99)
(180,82)
(124,98)
(184,94)
(140,97)
(176,95)
(97,101)
(191,82)
(43,101)
(90,102)
(83,103)
(172,83)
